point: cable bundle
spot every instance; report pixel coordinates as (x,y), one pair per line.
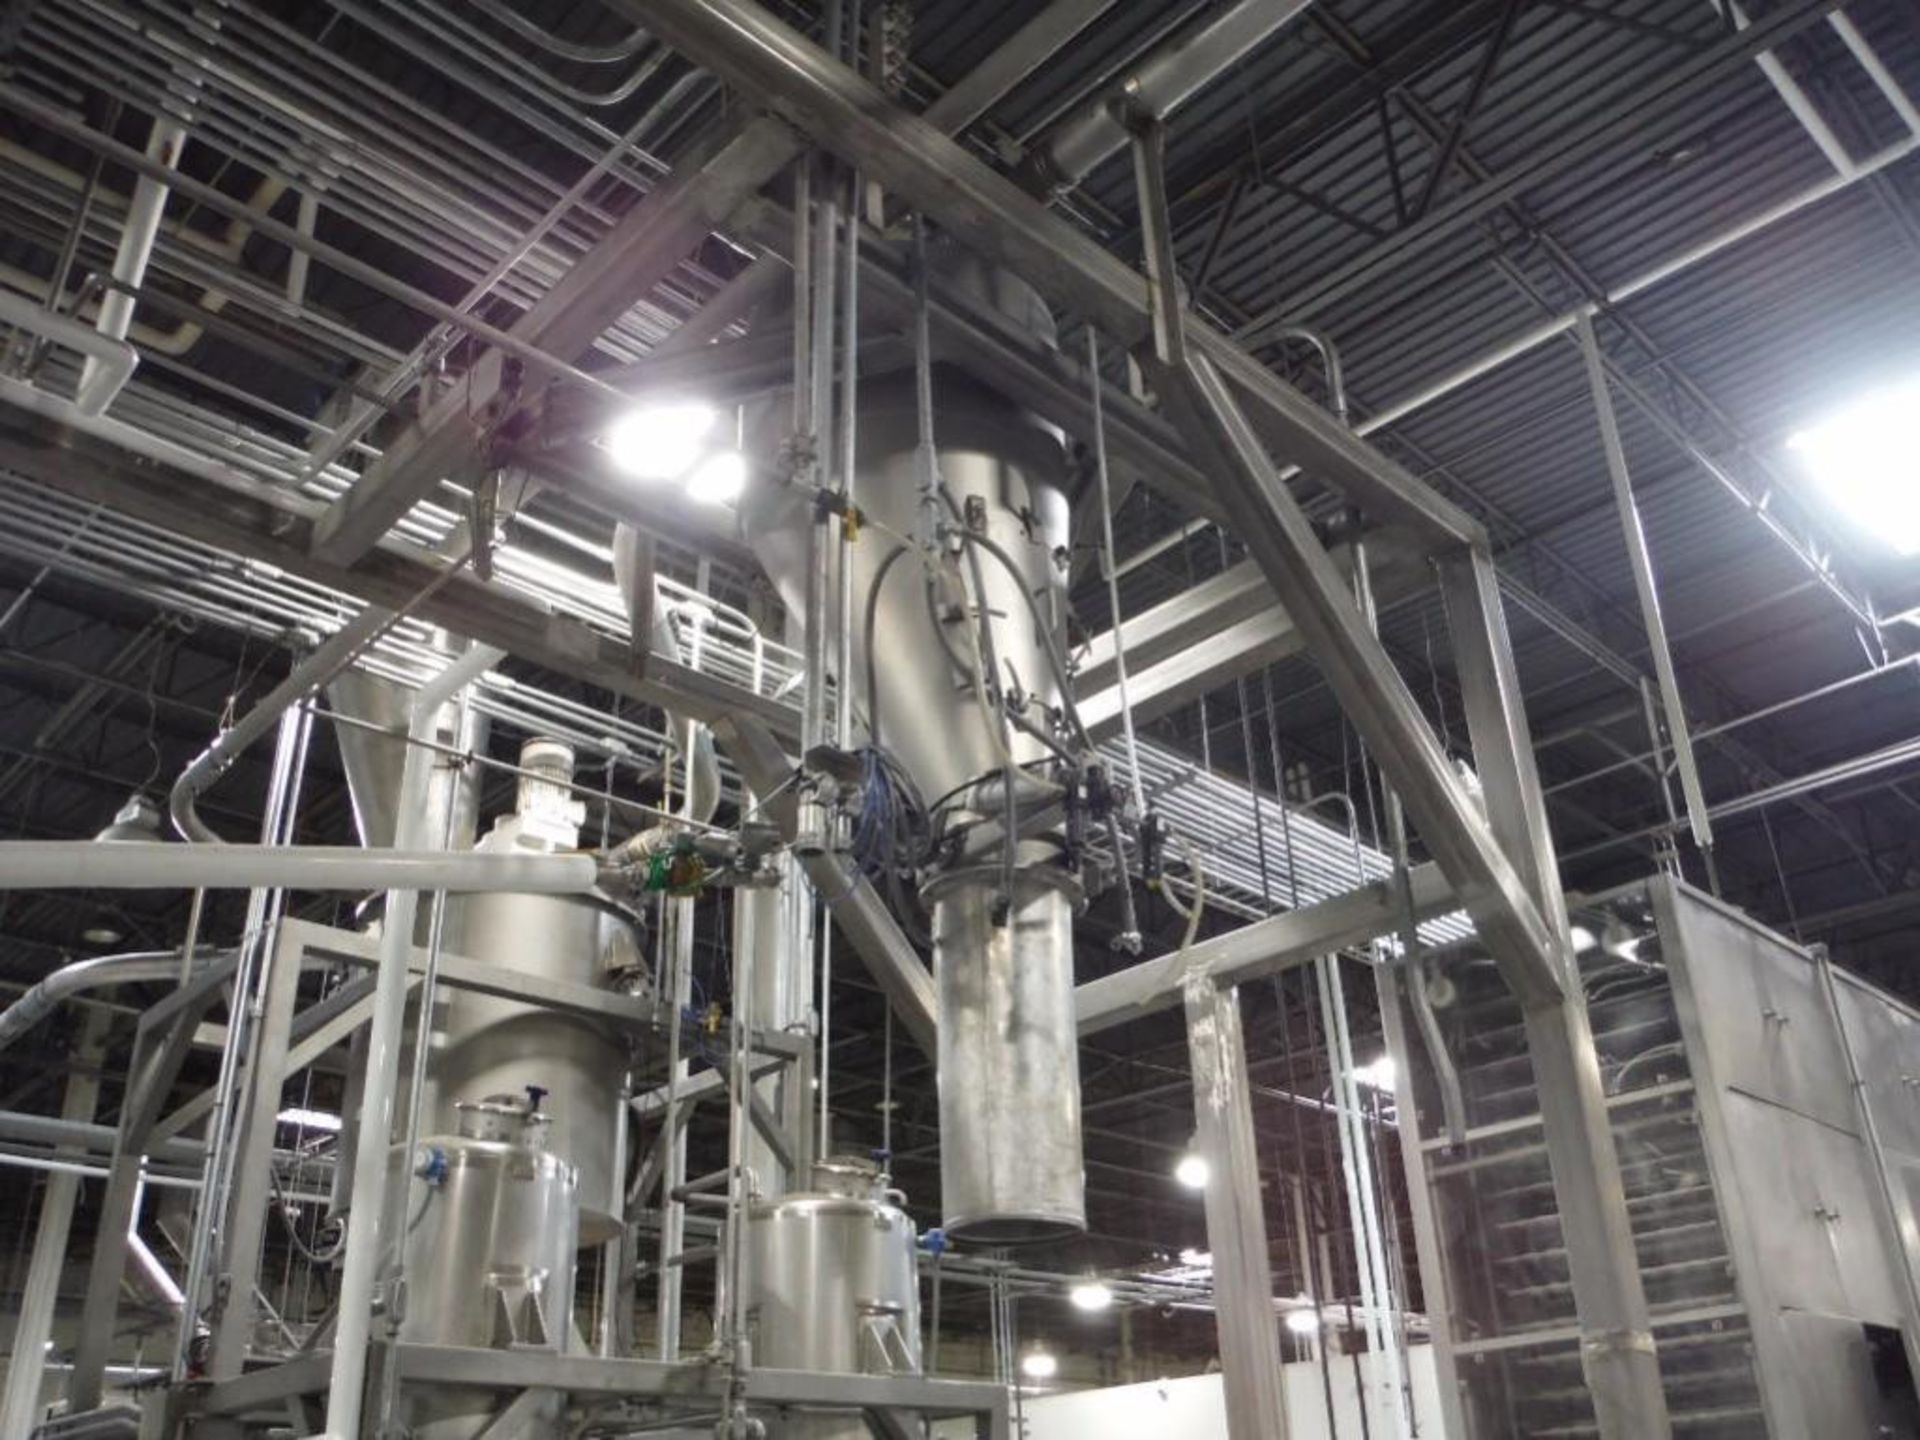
(891,831)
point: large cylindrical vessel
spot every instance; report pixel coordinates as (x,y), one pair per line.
(490,1231)
(1005,980)
(1011,1165)
(833,1286)
(487,1045)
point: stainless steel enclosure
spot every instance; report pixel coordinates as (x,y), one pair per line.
(1772,1198)
(1009,1127)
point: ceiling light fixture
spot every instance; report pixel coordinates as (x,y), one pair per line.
(1304,1321)
(1193,1171)
(1039,1365)
(661,442)
(718,479)
(1865,464)
(1379,1075)
(310,1119)
(1091,1296)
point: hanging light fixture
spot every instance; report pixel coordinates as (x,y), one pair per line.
(1091,1296)
(137,820)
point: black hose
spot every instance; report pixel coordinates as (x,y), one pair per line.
(873,610)
(990,682)
(1054,661)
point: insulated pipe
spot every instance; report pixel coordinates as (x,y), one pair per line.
(89,1138)
(328,659)
(110,360)
(136,240)
(154,865)
(1157,86)
(43,998)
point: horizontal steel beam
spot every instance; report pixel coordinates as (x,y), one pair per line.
(1263,948)
(776,66)
(1227,626)
(278,532)
(1001,354)
(641,250)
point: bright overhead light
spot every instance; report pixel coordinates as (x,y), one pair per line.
(310,1119)
(1866,463)
(660,442)
(719,478)
(1039,1365)
(1193,1171)
(102,931)
(1379,1075)
(1303,1321)
(1090,1295)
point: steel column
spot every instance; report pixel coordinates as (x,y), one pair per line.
(26,1369)
(158,1054)
(242,1228)
(1436,1285)
(1236,1217)
(1648,592)
(1617,1347)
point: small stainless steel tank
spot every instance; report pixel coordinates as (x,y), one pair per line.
(832,1277)
(491,1226)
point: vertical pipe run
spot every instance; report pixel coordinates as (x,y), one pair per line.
(239,1053)
(353,1329)
(732,1321)
(447,813)
(1649,594)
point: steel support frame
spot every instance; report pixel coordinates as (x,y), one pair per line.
(854,904)
(1617,1347)
(692,1384)
(242,1229)
(287,1043)
(1501,863)
(1503,871)
(640,250)
(774,65)
(1243,1307)
(161,1042)
(276,529)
